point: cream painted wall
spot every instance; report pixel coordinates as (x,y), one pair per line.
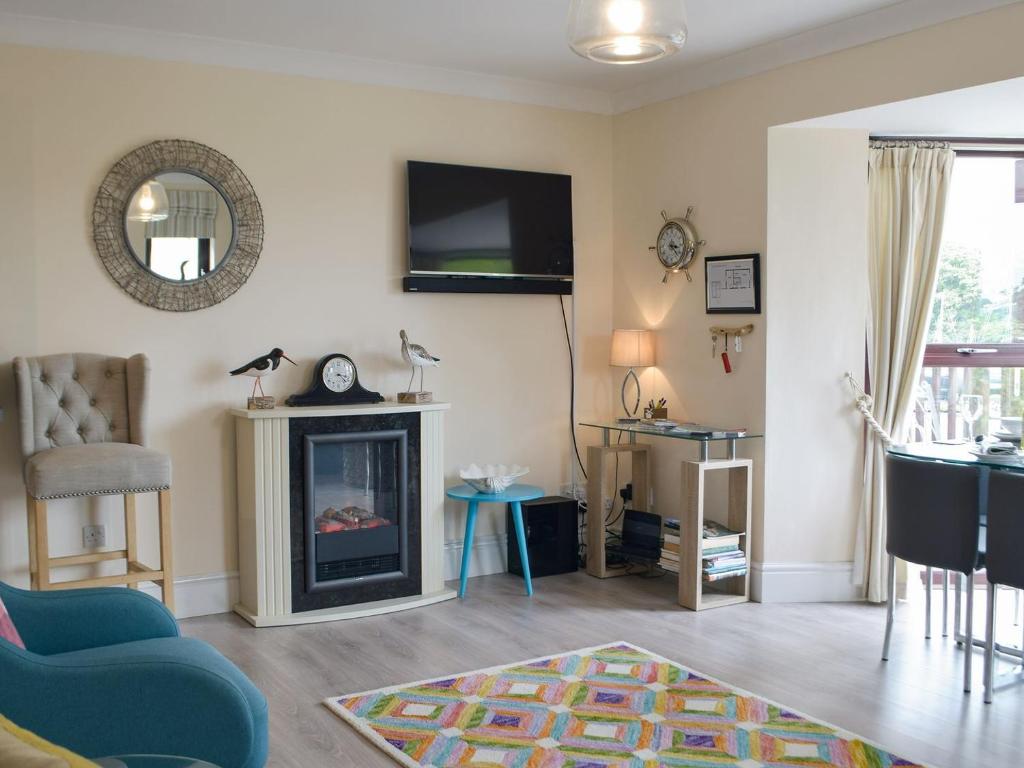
(817,235)
(709,149)
(327,161)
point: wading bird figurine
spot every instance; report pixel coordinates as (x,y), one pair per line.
(417,357)
(261,366)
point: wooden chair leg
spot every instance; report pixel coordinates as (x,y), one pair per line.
(166,564)
(33,567)
(42,545)
(130,537)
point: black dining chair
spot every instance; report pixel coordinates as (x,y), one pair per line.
(1003,563)
(933,517)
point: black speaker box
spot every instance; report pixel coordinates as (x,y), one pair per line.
(552,536)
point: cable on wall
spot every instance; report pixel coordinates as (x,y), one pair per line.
(572,387)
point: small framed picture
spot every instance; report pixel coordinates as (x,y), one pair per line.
(732,284)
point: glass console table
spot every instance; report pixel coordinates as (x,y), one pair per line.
(694,433)
(694,593)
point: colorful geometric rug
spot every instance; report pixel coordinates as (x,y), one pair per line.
(614,705)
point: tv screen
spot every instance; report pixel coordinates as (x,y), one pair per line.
(486,221)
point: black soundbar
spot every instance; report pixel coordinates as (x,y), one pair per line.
(454,284)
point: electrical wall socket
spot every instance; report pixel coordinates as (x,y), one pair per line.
(94,536)
(608,505)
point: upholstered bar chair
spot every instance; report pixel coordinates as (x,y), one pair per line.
(83,433)
(1004,565)
(933,515)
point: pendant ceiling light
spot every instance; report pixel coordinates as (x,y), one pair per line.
(626,31)
(149,203)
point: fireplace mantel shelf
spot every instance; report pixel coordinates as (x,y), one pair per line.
(364,409)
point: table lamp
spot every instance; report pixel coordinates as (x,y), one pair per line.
(632,349)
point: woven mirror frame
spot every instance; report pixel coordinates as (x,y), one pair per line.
(110,236)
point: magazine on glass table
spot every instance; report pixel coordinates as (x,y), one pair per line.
(701,430)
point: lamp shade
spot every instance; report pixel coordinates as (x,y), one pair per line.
(632,349)
(626,31)
(149,203)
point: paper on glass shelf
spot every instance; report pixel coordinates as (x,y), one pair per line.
(699,430)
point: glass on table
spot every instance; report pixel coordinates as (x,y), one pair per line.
(971,409)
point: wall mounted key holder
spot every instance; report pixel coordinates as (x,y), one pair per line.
(724,333)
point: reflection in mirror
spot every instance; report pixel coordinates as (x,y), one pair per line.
(149,203)
(194,236)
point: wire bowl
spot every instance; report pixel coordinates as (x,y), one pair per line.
(491,478)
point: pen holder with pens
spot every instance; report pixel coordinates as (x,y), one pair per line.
(656,410)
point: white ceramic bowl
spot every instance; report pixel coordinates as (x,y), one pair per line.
(491,478)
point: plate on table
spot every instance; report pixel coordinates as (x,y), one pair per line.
(1006,437)
(996,458)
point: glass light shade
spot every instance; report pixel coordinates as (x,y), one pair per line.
(149,203)
(626,31)
(632,349)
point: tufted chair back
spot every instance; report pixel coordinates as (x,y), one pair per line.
(73,399)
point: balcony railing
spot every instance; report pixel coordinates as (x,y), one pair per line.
(961,401)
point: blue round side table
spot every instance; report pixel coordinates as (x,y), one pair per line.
(513,495)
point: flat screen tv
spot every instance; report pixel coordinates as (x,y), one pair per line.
(486,222)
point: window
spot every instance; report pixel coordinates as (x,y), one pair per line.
(179,258)
(973,376)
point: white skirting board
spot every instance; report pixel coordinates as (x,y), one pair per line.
(803,583)
(769,582)
(489,556)
(201,595)
(218,592)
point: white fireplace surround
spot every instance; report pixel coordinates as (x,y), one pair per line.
(264,513)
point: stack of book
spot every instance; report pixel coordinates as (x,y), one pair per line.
(723,557)
(670,548)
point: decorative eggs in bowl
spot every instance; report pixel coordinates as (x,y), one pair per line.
(491,478)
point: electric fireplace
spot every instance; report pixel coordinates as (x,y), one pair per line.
(354,481)
(340,511)
(356,506)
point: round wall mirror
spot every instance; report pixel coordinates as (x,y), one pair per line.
(178,225)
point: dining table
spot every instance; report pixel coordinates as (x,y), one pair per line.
(957,452)
(960,452)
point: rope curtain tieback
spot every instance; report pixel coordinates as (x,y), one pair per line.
(864,403)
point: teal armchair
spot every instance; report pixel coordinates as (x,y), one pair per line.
(106,672)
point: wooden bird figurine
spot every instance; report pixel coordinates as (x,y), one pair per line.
(261,366)
(417,357)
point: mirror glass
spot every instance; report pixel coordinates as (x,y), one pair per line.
(179,226)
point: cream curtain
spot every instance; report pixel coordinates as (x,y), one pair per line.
(908,183)
(193,213)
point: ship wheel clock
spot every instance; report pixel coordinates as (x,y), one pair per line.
(335,382)
(677,245)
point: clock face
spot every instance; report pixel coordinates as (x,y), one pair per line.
(674,248)
(339,374)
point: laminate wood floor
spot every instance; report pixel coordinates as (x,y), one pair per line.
(822,659)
